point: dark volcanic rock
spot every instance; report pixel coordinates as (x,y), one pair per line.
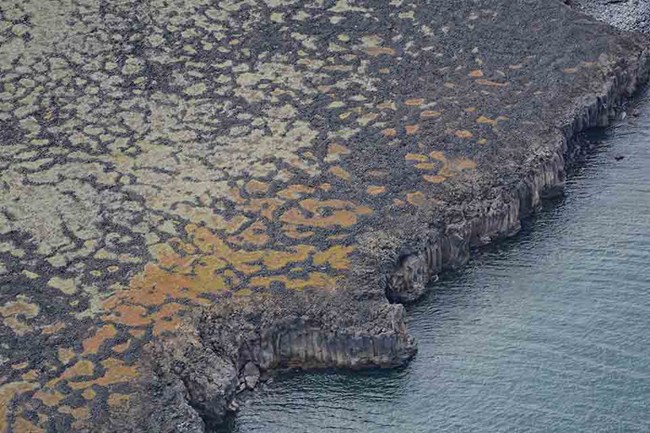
(188,188)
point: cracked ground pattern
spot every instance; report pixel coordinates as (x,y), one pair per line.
(157,155)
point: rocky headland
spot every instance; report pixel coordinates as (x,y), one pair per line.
(195,195)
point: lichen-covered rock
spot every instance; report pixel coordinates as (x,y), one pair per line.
(188,187)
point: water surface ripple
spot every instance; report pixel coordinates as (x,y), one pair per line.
(547,332)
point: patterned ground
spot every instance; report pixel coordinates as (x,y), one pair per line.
(155,155)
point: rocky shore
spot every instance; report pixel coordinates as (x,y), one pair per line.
(192,197)
(236,344)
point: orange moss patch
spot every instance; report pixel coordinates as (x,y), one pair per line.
(339,172)
(92,344)
(337,257)
(375,190)
(295,191)
(378,51)
(21,425)
(343,213)
(411,129)
(416,157)
(484,82)
(7,393)
(415,102)
(430,113)
(463,134)
(434,178)
(416,198)
(256,187)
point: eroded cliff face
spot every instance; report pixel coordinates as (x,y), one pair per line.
(484,221)
(228,349)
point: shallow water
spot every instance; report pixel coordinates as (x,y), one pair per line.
(546,332)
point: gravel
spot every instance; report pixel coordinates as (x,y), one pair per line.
(630,15)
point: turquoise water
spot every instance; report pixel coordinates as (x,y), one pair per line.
(547,332)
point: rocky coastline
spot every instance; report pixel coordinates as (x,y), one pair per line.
(194,196)
(235,345)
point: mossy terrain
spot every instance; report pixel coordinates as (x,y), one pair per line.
(159,157)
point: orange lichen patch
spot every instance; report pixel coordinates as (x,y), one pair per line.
(167,257)
(334,150)
(416,157)
(570,70)
(81,368)
(336,257)
(416,198)
(482,141)
(255,234)
(166,319)
(92,344)
(411,129)
(398,202)
(197,214)
(470,109)
(339,172)
(416,102)
(477,73)
(430,113)
(80,414)
(21,425)
(49,398)
(484,82)
(121,348)
(375,190)
(295,232)
(20,365)
(30,376)
(388,105)
(426,166)
(274,260)
(486,120)
(434,178)
(325,186)
(343,213)
(315,280)
(389,132)
(137,333)
(295,191)
(243,292)
(492,122)
(88,394)
(15,313)
(117,371)
(378,51)
(117,400)
(264,206)
(257,187)
(130,315)
(463,134)
(53,328)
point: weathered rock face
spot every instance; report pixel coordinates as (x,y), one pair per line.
(187,188)
(202,370)
(488,220)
